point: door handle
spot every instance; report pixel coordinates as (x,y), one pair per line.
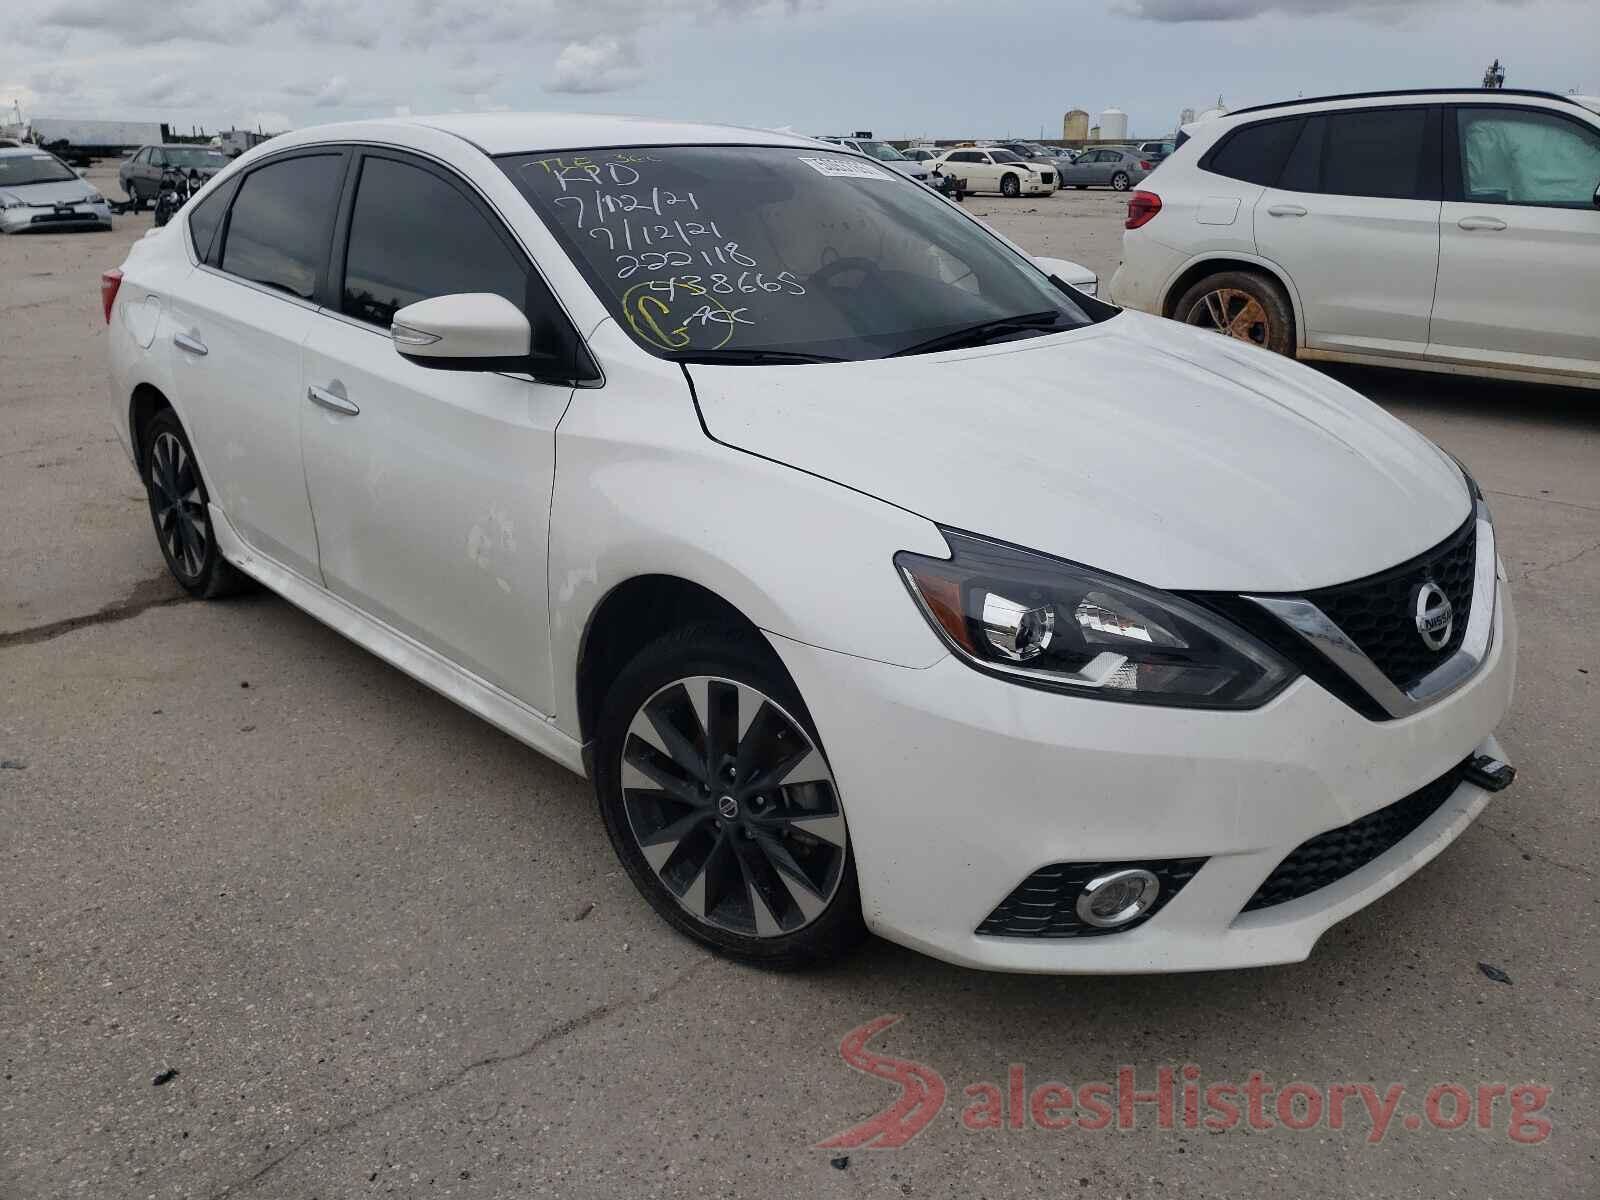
(1490,223)
(190,343)
(331,402)
(1286,210)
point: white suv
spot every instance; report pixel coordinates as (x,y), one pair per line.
(1452,231)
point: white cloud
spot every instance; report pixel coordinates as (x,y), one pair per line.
(600,64)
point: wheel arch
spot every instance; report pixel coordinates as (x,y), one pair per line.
(636,612)
(1197,269)
(144,403)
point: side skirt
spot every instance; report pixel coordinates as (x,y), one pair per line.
(1438,367)
(502,710)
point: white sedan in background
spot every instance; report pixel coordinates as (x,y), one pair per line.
(877,579)
(994,169)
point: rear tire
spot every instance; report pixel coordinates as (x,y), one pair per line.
(762,872)
(180,513)
(1120,182)
(1241,305)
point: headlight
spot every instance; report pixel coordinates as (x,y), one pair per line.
(1052,624)
(11,201)
(1473,490)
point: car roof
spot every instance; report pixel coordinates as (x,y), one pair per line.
(1437,94)
(513,133)
(19,151)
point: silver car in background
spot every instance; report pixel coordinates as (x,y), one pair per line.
(141,171)
(1115,167)
(884,153)
(38,191)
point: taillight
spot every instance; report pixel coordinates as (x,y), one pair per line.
(1144,165)
(110,281)
(1142,207)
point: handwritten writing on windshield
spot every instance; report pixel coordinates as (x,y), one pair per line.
(687,274)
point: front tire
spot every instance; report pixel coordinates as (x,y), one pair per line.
(180,513)
(1241,305)
(1010,187)
(721,805)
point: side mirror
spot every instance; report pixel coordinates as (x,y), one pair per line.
(1073,274)
(468,331)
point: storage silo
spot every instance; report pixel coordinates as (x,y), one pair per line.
(1114,125)
(1075,126)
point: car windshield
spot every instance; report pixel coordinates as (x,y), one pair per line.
(17,170)
(194,157)
(756,253)
(1005,156)
(881,150)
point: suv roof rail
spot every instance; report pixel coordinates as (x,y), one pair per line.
(1408,92)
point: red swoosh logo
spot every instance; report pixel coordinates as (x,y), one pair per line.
(921,1093)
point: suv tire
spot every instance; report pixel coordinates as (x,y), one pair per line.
(1243,305)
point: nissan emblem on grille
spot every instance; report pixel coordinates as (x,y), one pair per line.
(1435,615)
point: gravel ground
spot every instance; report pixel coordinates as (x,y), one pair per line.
(277,921)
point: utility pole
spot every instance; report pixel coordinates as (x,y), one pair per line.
(1494,76)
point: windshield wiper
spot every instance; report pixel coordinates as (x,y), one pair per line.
(983,331)
(736,355)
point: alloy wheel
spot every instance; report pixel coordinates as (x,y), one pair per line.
(1235,313)
(1119,182)
(179,506)
(733,807)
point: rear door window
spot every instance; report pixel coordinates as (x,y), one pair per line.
(1386,153)
(1375,152)
(278,228)
(205,219)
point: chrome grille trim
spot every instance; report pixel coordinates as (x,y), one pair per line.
(1312,624)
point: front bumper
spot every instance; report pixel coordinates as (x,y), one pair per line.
(41,219)
(958,786)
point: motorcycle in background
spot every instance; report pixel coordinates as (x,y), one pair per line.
(174,192)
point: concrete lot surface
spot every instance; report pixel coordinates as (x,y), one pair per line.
(369,946)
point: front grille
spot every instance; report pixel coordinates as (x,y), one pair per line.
(1329,857)
(50,218)
(1046,177)
(1379,612)
(1045,904)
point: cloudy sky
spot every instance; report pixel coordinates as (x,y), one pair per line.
(899,67)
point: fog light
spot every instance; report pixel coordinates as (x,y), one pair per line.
(1107,901)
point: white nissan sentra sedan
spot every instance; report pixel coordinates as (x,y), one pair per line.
(877,578)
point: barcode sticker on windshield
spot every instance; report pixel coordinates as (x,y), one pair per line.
(844,168)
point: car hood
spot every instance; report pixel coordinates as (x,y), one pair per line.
(1139,446)
(68,191)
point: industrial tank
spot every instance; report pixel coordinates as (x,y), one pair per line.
(1114,125)
(1075,126)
